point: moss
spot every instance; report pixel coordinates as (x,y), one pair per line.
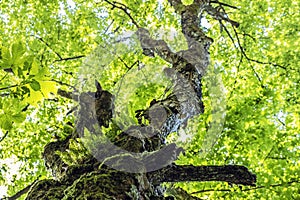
(46,189)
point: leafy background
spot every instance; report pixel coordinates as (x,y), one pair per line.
(44,43)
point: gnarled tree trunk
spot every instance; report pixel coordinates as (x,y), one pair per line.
(134,163)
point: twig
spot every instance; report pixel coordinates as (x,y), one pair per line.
(213,11)
(4,94)
(219,13)
(224,4)
(126,64)
(124,8)
(250,36)
(257,76)
(43,41)
(281,122)
(235,80)
(108,27)
(237,144)
(72,110)
(239,46)
(269,153)
(69,58)
(229,35)
(242,51)
(4,136)
(123,76)
(253,60)
(65,84)
(8,87)
(4,76)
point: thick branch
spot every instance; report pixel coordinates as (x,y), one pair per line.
(68,95)
(252,188)
(229,173)
(21,192)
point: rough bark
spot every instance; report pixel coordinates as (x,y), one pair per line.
(104,176)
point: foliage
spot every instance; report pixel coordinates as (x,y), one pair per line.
(44,43)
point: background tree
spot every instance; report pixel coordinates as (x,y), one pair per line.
(42,48)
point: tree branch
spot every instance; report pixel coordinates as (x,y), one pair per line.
(43,41)
(223,16)
(249,189)
(4,136)
(224,4)
(124,8)
(253,60)
(69,58)
(21,192)
(234,174)
(65,84)
(8,87)
(3,76)
(219,13)
(68,95)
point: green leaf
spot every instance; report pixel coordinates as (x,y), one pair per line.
(6,58)
(34,68)
(35,85)
(17,50)
(7,123)
(19,118)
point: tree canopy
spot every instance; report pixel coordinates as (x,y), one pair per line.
(250,91)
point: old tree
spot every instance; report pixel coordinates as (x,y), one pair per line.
(135,99)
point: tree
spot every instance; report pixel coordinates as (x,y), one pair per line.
(76,110)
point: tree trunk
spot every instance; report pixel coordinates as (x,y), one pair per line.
(133,163)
